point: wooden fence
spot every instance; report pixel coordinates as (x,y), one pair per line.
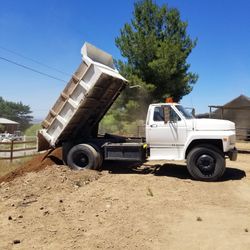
(16,147)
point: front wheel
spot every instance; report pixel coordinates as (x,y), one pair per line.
(206,163)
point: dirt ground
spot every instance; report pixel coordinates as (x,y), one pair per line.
(150,207)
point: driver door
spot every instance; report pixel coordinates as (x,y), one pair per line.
(166,139)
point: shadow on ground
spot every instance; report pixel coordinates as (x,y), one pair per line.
(232,174)
(171,170)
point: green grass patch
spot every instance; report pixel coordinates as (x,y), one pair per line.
(32,130)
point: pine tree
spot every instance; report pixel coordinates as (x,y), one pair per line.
(156,46)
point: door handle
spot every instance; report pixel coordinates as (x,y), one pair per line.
(153,126)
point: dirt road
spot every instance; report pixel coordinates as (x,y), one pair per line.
(122,208)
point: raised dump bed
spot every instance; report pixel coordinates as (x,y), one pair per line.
(84,101)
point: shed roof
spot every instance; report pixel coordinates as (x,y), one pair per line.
(241,102)
(7,121)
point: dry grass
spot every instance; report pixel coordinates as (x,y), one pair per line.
(6,166)
(243,145)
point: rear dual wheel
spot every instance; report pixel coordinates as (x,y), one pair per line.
(84,156)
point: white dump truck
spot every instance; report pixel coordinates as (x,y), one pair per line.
(171,132)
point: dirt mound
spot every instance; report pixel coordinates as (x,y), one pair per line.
(58,208)
(36,164)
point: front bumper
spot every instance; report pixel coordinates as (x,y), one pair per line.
(232,154)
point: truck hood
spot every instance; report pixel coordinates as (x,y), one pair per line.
(213,124)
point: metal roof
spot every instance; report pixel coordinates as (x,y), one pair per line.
(7,121)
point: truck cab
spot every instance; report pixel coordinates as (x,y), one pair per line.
(172,133)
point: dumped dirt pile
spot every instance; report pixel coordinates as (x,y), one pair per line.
(35,164)
(121,208)
(38,205)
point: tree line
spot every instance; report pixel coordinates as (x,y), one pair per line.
(16,111)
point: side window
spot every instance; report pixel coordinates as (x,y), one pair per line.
(158,114)
(174,116)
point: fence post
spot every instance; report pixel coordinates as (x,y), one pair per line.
(11,150)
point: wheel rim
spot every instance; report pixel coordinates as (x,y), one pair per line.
(206,164)
(80,159)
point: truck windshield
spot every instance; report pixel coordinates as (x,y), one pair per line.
(184,112)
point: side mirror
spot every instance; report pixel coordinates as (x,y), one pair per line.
(193,112)
(166,113)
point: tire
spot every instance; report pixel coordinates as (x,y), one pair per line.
(99,155)
(83,156)
(65,150)
(206,163)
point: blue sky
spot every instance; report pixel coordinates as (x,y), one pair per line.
(53,31)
